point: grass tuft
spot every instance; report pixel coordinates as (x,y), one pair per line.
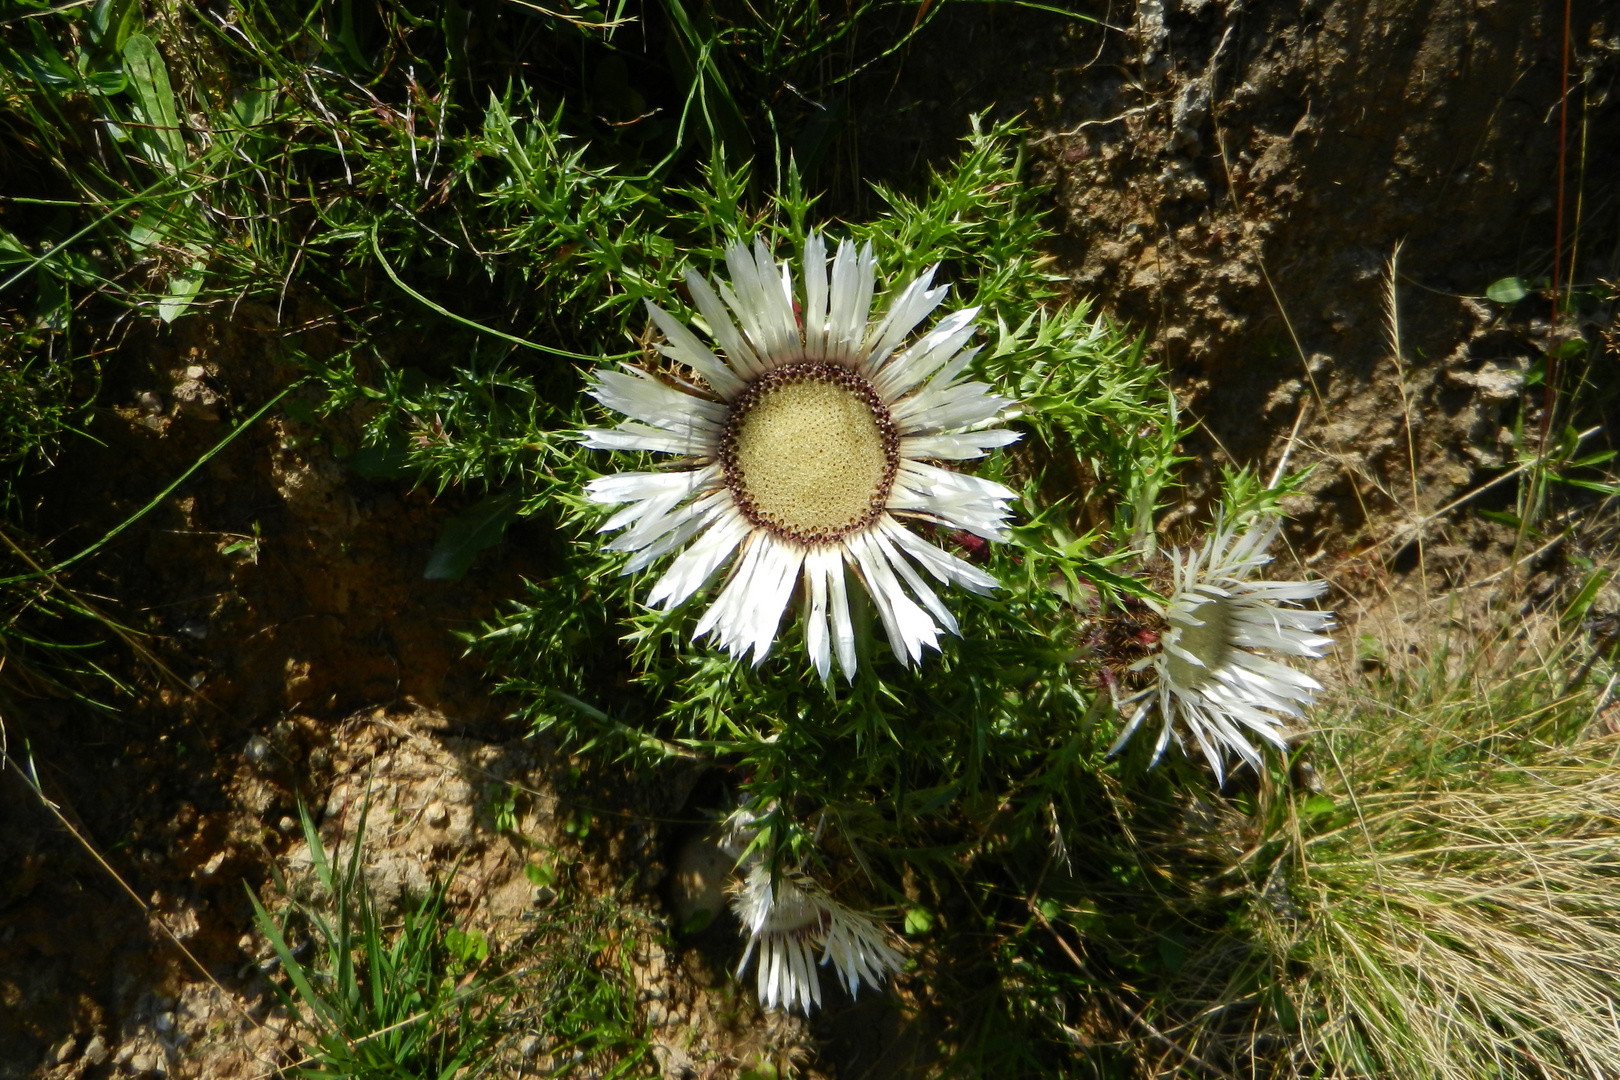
(1445,907)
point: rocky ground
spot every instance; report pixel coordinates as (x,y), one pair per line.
(1234,178)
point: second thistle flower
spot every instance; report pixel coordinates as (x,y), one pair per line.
(1212,677)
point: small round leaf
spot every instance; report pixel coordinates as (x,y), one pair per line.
(1508,290)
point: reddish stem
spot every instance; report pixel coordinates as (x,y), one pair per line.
(1550,389)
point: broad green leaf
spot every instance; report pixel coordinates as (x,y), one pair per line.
(919,920)
(12,252)
(1369,649)
(43,62)
(112,22)
(183,289)
(150,228)
(1508,290)
(149,79)
(107,82)
(1570,348)
(76,268)
(256,104)
(468,946)
(470,532)
(54,309)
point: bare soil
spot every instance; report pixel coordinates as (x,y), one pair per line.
(1233,178)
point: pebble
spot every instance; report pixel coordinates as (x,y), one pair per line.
(438,814)
(697,887)
(257,749)
(64,1053)
(95,1051)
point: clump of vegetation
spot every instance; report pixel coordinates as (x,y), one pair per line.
(455,220)
(427,998)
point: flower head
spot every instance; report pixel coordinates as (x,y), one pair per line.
(787,919)
(806,442)
(1211,676)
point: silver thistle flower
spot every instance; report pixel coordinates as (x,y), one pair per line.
(1211,677)
(788,919)
(805,449)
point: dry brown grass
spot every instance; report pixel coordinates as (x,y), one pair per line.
(1457,913)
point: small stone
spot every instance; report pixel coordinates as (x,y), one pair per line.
(95,1051)
(529,1045)
(657,1015)
(142,1064)
(1495,382)
(125,1054)
(697,886)
(195,371)
(438,815)
(64,1053)
(211,867)
(164,1022)
(257,749)
(287,826)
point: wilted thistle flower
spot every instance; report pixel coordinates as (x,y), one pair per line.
(788,919)
(1210,675)
(805,449)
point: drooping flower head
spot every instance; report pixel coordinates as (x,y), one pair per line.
(806,441)
(788,920)
(1211,675)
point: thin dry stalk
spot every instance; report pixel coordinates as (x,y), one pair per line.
(1392,325)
